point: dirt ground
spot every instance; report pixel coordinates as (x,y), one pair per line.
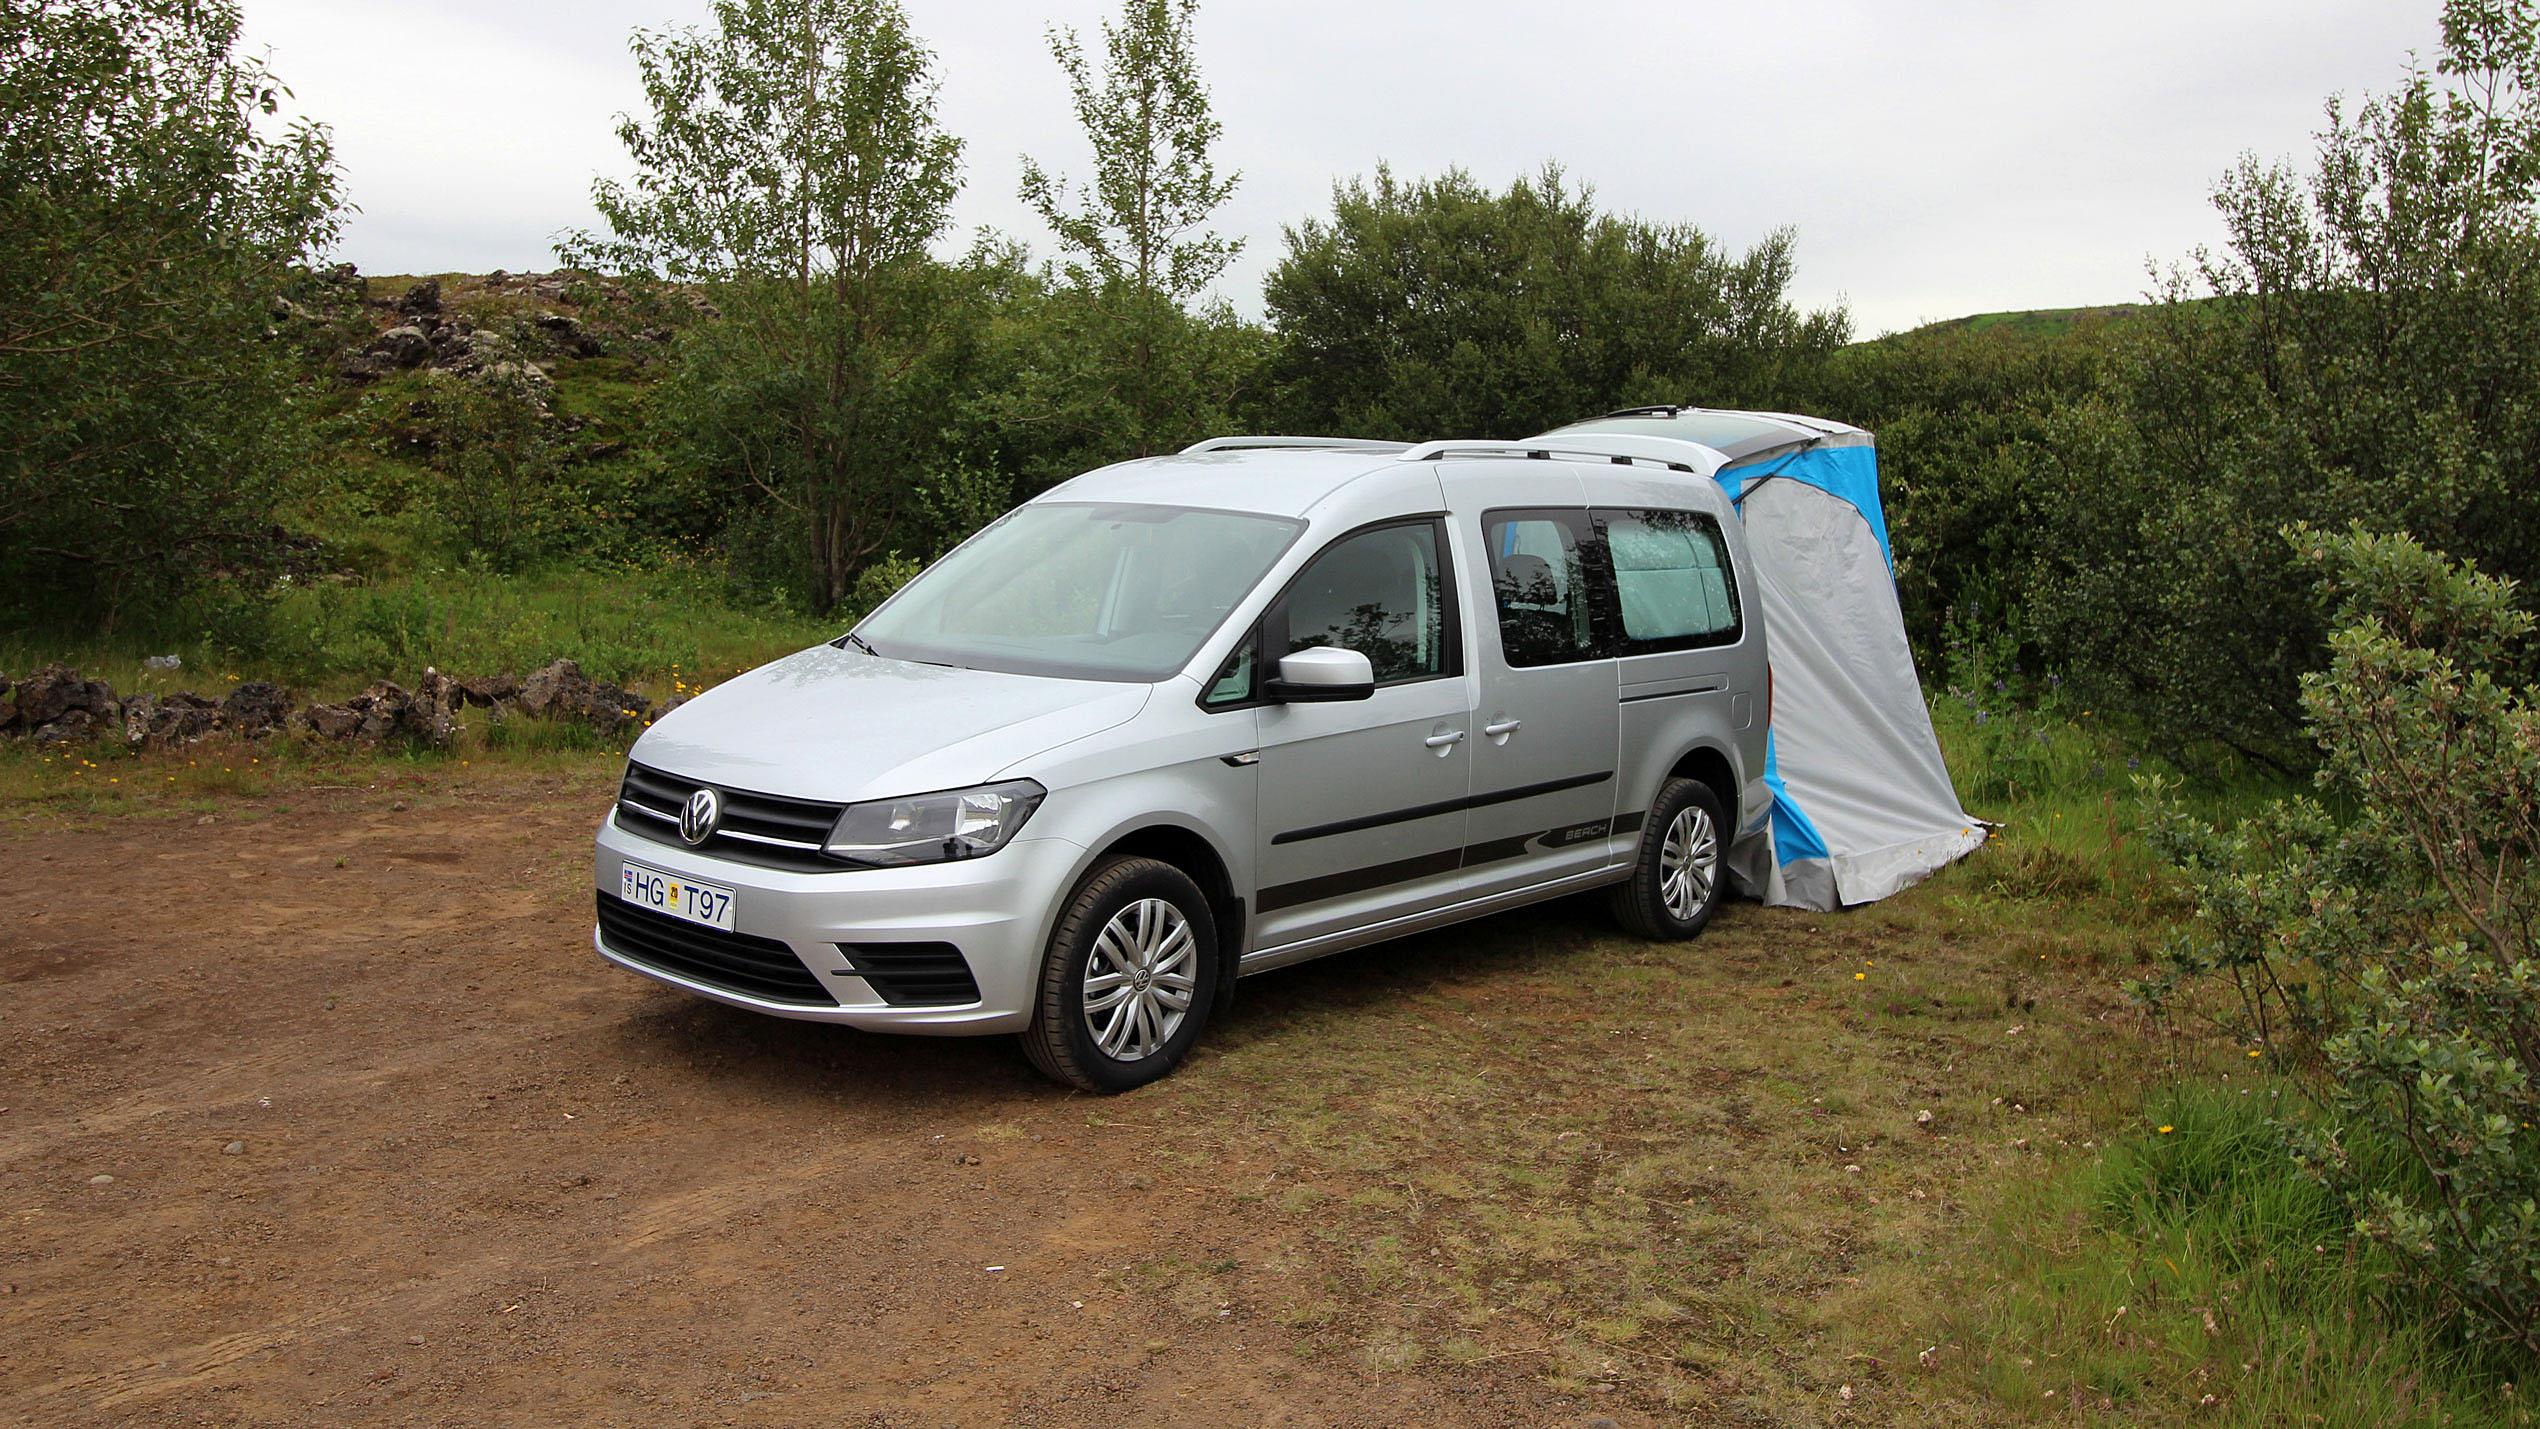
(389,1144)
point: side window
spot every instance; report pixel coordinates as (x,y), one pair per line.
(1381,592)
(1539,584)
(1672,579)
(1233,684)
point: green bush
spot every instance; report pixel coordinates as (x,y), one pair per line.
(2384,937)
(150,214)
(2361,349)
(1438,308)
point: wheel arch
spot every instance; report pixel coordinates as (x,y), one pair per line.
(1197,855)
(1712,766)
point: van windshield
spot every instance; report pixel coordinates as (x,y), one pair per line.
(1082,591)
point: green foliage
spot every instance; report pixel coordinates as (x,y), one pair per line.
(1141,222)
(793,164)
(150,212)
(1129,366)
(2191,1270)
(1967,417)
(1054,394)
(2368,350)
(2384,935)
(1439,309)
(491,444)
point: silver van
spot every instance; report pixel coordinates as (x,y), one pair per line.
(1194,717)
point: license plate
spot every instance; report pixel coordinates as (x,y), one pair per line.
(676,896)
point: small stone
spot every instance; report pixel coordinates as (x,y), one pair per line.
(101,1180)
(235,1148)
(414,1339)
(398,807)
(1855,1170)
(1922,1118)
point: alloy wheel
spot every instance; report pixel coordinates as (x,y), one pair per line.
(1688,862)
(1139,980)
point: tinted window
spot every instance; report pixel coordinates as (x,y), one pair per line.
(1671,578)
(1539,584)
(1381,593)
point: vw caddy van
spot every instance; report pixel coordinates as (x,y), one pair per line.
(1190,718)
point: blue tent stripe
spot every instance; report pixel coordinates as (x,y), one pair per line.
(1794,837)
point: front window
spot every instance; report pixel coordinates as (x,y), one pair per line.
(1082,591)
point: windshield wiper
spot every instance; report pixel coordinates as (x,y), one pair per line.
(859,642)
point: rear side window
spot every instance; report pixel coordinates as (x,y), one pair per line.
(1672,580)
(1539,584)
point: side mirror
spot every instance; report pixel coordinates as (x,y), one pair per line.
(1323,674)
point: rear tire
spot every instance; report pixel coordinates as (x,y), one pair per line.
(1128,981)
(1676,885)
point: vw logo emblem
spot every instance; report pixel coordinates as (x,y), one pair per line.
(697,821)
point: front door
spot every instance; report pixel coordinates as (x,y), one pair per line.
(1362,803)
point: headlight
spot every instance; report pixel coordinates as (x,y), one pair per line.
(934,828)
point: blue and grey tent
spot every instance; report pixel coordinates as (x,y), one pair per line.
(1862,804)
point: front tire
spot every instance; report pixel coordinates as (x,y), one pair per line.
(1128,981)
(1676,886)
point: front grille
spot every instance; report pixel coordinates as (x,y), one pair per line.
(914,974)
(767,830)
(734,962)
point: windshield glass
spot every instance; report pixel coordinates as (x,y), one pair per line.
(1083,591)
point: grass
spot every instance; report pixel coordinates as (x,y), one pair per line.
(80,785)
(631,628)
(2190,1270)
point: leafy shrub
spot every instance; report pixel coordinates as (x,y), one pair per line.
(2386,936)
(2360,350)
(150,212)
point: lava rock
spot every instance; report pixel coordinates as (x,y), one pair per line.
(255,709)
(56,692)
(423,297)
(405,345)
(490,691)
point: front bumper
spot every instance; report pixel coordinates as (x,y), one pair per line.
(997,910)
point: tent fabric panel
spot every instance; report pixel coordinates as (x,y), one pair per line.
(1849,472)
(1851,748)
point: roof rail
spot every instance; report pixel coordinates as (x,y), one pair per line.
(1538,451)
(1661,409)
(1340,444)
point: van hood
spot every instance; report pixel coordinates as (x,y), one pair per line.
(838,725)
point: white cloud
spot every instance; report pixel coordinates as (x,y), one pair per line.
(1936,158)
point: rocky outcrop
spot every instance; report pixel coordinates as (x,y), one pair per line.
(57,704)
(421,300)
(566,332)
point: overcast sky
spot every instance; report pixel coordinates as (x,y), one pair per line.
(1937,158)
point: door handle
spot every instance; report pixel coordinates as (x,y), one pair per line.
(1504,727)
(1441,741)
